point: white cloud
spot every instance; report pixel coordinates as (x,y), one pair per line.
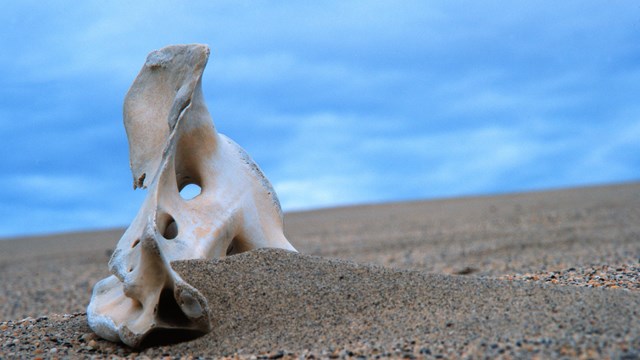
(40,203)
(462,161)
(341,102)
(304,194)
(47,187)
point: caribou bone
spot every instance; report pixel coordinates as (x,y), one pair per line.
(172,144)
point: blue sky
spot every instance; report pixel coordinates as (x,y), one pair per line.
(339,102)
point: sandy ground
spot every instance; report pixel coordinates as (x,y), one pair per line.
(546,274)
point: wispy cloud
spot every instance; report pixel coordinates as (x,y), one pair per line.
(339,102)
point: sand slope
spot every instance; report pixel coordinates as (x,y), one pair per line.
(271,299)
(578,249)
(274,302)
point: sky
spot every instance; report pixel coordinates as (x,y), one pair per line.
(339,102)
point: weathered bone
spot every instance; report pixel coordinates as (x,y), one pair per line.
(173,143)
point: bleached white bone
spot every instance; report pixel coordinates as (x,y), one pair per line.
(173,143)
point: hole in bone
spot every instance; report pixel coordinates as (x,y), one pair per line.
(169,311)
(171,231)
(167,226)
(190,191)
(231,248)
(170,318)
(237,246)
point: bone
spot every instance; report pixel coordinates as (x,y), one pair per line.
(173,144)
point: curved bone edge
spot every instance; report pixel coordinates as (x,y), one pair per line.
(107,298)
(158,96)
(255,169)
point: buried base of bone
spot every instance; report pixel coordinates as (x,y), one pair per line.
(171,317)
(171,305)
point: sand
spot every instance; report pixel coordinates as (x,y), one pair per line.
(547,274)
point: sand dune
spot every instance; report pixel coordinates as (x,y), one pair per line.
(406,279)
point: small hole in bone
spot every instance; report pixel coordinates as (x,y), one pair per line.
(167,226)
(168,309)
(190,191)
(135,243)
(171,230)
(230,249)
(235,247)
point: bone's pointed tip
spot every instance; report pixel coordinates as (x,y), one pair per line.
(161,57)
